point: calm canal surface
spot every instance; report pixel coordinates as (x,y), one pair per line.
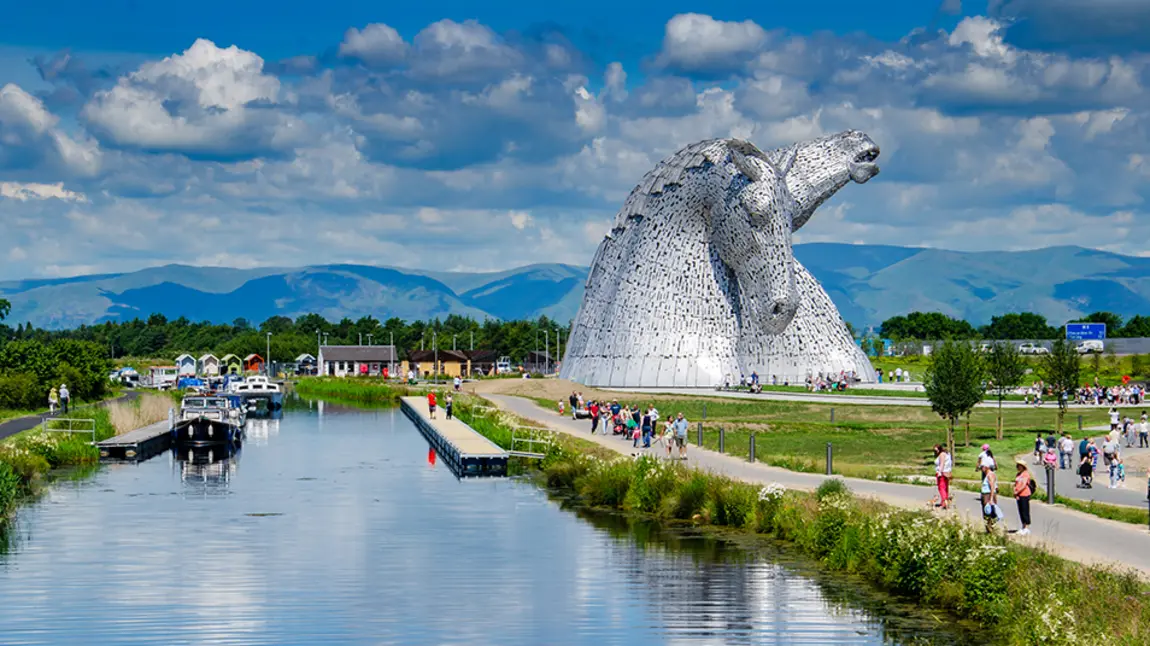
(335,527)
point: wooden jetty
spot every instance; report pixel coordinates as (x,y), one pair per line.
(464,450)
(139,444)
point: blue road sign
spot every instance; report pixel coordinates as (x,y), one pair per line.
(1085,331)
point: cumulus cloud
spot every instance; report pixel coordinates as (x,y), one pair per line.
(376,44)
(698,43)
(476,140)
(209,102)
(1089,26)
(32,143)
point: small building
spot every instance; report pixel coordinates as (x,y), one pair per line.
(357,360)
(231,364)
(541,362)
(186,365)
(305,364)
(452,363)
(162,376)
(481,362)
(208,366)
(253,363)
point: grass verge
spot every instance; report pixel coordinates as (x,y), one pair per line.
(1021,595)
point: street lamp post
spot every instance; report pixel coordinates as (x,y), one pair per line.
(369,338)
(547,350)
(435,349)
(268,357)
(391,355)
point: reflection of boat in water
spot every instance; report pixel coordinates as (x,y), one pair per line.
(208,419)
(212,465)
(258,430)
(260,395)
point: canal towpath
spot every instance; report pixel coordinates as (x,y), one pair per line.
(1071,534)
(20,424)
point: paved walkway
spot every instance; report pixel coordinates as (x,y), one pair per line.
(1131,493)
(21,424)
(1072,534)
(829,398)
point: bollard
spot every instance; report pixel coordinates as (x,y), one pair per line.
(704,410)
(752,456)
(832,414)
(1080,422)
(830,459)
(699,436)
(1049,485)
(722,437)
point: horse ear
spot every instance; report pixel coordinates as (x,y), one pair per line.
(741,154)
(788,160)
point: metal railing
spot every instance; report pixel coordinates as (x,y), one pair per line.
(531,441)
(72,425)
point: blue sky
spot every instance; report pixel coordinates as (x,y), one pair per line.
(505,133)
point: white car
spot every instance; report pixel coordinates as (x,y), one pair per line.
(1032,348)
(1089,347)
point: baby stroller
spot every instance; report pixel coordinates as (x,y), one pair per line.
(619,428)
(1086,473)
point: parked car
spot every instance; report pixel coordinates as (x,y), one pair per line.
(985,347)
(1033,348)
(503,366)
(1093,346)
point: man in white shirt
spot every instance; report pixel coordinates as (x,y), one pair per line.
(1065,450)
(457,382)
(1114,415)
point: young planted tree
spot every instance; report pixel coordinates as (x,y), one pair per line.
(1061,370)
(953,382)
(1005,369)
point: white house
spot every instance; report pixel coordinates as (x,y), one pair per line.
(357,360)
(186,365)
(208,366)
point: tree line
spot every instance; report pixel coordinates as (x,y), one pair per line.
(30,367)
(934,326)
(959,377)
(156,336)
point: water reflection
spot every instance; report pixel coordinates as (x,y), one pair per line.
(353,533)
(207,468)
(259,431)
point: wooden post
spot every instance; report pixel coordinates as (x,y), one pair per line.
(967,433)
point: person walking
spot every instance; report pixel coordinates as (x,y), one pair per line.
(1066,450)
(648,427)
(1114,415)
(681,435)
(669,436)
(53,400)
(457,383)
(447,403)
(1039,448)
(65,397)
(593,409)
(431,404)
(1023,489)
(1110,458)
(943,465)
(989,497)
(1144,432)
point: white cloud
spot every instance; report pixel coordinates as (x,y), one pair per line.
(376,44)
(208,101)
(521,219)
(452,50)
(31,191)
(693,41)
(33,143)
(984,37)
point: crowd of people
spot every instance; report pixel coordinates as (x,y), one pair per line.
(986,466)
(637,424)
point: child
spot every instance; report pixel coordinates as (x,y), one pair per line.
(1039,448)
(1121,472)
(669,437)
(633,431)
(560,402)
(1051,458)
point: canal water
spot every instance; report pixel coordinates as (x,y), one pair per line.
(335,525)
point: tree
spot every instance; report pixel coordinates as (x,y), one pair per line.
(953,383)
(1005,369)
(5,307)
(925,326)
(1025,325)
(1060,370)
(1137,326)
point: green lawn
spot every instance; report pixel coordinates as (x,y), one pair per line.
(868,441)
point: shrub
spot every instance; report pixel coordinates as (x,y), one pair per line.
(605,484)
(21,391)
(654,480)
(688,498)
(832,487)
(731,503)
(11,488)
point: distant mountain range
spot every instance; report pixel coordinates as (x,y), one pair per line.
(869,283)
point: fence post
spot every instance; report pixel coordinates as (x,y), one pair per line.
(830,459)
(1080,422)
(722,438)
(832,413)
(699,436)
(752,456)
(1050,484)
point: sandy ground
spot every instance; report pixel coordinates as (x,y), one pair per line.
(553,389)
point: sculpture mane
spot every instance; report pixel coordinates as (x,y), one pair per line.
(697,280)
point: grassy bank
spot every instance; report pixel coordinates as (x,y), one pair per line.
(1022,595)
(26,457)
(361,390)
